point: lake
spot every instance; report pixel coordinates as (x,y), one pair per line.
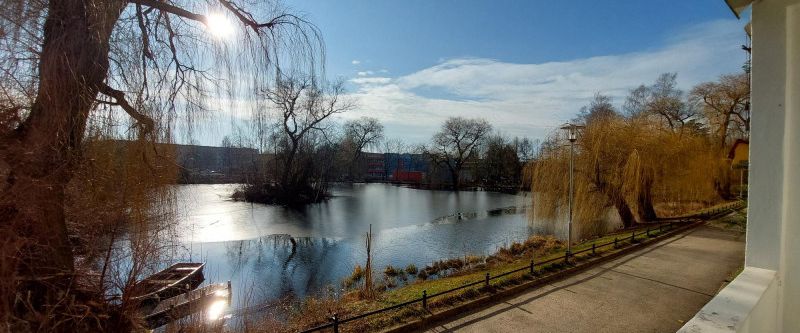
(249,244)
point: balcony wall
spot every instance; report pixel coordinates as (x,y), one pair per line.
(765,297)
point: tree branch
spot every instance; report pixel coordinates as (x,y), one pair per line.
(237,11)
(144,121)
(163,6)
(247,19)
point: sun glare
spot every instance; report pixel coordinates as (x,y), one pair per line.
(216,310)
(218,25)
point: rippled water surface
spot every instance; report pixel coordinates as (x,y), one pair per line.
(249,244)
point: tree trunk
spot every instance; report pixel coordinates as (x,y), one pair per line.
(455,177)
(644,201)
(42,151)
(623,208)
(288,176)
(723,131)
(723,185)
(625,213)
(646,210)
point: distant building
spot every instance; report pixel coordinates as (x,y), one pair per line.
(206,164)
(405,167)
(376,167)
(216,159)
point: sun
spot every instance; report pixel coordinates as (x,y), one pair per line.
(218,25)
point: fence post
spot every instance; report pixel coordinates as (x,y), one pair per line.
(335,319)
(531,266)
(633,235)
(593,248)
(648,232)
(230,292)
(424,299)
(566,257)
(615,242)
(486,284)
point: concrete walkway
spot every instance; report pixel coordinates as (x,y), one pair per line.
(655,289)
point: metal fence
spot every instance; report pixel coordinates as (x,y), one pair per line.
(336,322)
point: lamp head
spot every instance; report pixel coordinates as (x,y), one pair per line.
(572,131)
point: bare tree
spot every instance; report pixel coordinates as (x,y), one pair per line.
(395,146)
(303,106)
(360,134)
(500,166)
(456,143)
(636,103)
(64,61)
(725,101)
(390,147)
(662,100)
(599,108)
(525,148)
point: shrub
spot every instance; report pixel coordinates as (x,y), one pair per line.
(454,264)
(433,268)
(355,277)
(517,248)
(390,271)
(411,269)
(471,260)
(358,273)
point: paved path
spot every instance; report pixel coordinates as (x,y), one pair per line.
(655,289)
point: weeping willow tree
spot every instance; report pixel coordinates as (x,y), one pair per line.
(78,70)
(624,167)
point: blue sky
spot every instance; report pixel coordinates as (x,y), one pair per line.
(527,66)
(405,36)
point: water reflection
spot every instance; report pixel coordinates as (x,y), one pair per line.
(270,252)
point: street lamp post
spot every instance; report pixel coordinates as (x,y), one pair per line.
(572,136)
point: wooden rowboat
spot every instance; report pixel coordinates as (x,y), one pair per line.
(172,281)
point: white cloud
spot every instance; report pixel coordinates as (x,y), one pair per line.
(532,99)
(355,62)
(365,81)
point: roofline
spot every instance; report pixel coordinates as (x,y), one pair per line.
(737,6)
(732,151)
(735,13)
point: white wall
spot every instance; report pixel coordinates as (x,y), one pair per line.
(766,139)
(789,267)
(774,217)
